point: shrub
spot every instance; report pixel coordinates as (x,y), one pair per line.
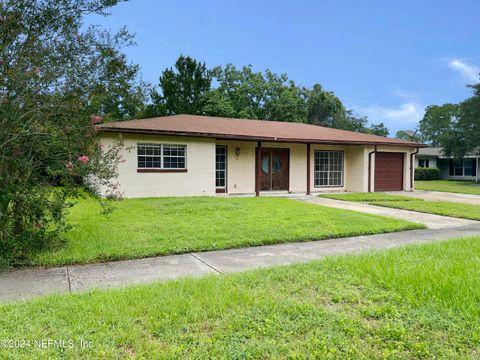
(54,80)
(427,174)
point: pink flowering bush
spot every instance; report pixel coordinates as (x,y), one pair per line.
(94,119)
(56,82)
(83,159)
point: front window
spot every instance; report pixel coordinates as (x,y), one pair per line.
(159,156)
(469,167)
(221,167)
(463,167)
(328,168)
(423,163)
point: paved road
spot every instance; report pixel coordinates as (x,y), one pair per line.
(440,196)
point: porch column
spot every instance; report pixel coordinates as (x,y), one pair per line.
(308,169)
(476,169)
(258,168)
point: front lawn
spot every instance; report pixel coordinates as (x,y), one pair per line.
(463,187)
(465,211)
(367,197)
(160,226)
(445,208)
(407,303)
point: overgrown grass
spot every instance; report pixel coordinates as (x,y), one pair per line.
(367,197)
(412,302)
(463,187)
(160,226)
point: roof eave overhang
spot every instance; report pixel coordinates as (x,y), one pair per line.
(253,138)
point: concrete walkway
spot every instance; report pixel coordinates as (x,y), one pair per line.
(29,283)
(440,196)
(429,220)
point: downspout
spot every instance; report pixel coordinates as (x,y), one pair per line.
(370,168)
(412,169)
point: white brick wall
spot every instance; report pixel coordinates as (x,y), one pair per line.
(200,176)
(198,180)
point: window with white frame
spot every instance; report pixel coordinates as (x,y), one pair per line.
(328,168)
(161,156)
(221,167)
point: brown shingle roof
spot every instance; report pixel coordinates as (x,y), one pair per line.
(243,129)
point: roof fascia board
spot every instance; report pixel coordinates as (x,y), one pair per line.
(252,138)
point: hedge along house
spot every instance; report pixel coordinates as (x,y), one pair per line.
(186,155)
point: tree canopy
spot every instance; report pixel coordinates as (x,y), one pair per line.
(455,127)
(227,91)
(409,135)
(184,89)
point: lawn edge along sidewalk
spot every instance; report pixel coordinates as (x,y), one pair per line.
(24,284)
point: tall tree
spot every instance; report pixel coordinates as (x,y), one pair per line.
(184,88)
(409,135)
(325,109)
(51,68)
(353,122)
(464,134)
(437,121)
(378,129)
(244,93)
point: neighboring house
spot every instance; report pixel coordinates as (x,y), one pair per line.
(465,168)
(186,155)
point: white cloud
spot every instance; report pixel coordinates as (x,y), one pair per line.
(402,116)
(469,71)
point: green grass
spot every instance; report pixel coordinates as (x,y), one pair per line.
(465,211)
(445,208)
(463,187)
(412,302)
(160,226)
(367,197)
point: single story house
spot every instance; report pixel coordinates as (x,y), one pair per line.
(186,155)
(465,168)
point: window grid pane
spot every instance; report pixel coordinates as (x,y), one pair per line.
(149,156)
(158,156)
(173,156)
(220,166)
(328,168)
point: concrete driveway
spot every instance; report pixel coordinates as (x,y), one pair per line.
(440,196)
(431,221)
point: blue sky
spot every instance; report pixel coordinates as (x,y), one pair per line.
(384,59)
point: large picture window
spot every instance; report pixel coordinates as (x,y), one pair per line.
(328,168)
(463,167)
(160,156)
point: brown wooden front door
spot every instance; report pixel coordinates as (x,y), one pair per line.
(388,171)
(274,169)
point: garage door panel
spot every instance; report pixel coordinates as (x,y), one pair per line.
(388,171)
